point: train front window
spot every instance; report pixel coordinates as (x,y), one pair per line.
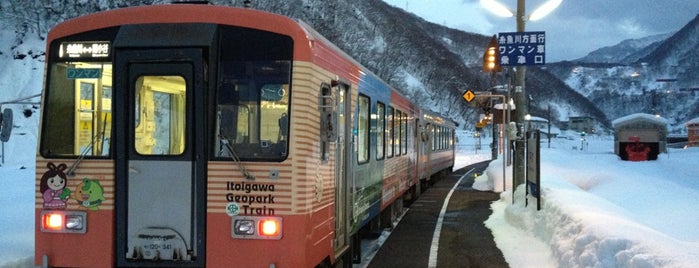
(253,110)
(254,87)
(77,110)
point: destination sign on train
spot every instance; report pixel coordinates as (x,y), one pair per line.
(88,49)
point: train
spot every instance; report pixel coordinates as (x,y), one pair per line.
(196,135)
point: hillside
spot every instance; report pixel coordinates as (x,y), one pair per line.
(429,63)
(662,82)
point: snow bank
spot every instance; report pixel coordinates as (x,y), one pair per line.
(600,211)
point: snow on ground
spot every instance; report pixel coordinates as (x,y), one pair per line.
(18,79)
(600,211)
(17,189)
(597,211)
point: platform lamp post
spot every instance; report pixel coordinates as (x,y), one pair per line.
(519,95)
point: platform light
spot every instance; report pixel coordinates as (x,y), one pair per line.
(497,8)
(544,9)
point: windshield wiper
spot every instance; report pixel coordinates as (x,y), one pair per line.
(235,158)
(83,153)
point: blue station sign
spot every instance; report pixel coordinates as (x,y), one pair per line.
(522,48)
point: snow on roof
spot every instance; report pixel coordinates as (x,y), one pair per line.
(538,119)
(694,121)
(639,116)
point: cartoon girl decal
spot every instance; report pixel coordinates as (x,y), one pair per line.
(53,187)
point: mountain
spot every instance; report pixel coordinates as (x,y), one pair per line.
(626,52)
(427,62)
(659,78)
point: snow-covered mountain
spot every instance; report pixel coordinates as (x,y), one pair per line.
(626,52)
(659,78)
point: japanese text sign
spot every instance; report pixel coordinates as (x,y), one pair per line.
(522,48)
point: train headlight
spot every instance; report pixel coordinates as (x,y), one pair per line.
(269,227)
(244,227)
(253,227)
(74,222)
(53,221)
(63,221)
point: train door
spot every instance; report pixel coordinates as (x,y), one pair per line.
(160,172)
(342,151)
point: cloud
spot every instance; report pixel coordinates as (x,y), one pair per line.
(631,27)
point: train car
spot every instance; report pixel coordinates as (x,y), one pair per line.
(190,135)
(436,148)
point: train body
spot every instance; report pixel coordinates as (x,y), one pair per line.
(195,135)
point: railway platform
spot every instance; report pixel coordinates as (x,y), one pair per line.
(457,239)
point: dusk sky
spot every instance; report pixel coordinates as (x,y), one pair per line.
(574,29)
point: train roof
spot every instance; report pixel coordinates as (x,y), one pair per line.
(309,44)
(186,13)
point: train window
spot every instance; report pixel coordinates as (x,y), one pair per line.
(439,137)
(389,135)
(363,130)
(77,110)
(446,138)
(433,137)
(380,129)
(443,139)
(404,133)
(253,110)
(254,88)
(160,115)
(397,131)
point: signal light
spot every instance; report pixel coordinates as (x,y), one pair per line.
(491,56)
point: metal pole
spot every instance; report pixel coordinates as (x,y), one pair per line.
(505,142)
(494,148)
(549,125)
(520,103)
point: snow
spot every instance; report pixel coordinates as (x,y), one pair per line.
(600,211)
(640,116)
(597,210)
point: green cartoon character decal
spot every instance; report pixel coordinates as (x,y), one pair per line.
(89,194)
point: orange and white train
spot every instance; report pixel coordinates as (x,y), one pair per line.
(192,135)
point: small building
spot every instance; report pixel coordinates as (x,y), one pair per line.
(581,124)
(640,136)
(542,124)
(538,122)
(692,132)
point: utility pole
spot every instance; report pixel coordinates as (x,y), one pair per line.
(519,95)
(521,104)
